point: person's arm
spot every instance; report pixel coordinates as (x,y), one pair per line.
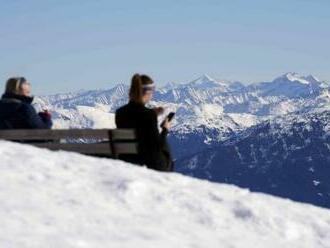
(165,127)
(157,138)
(155,141)
(34,120)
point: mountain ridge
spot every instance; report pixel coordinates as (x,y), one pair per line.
(220,109)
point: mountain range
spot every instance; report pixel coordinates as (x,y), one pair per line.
(259,135)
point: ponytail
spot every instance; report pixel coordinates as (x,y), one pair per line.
(136,92)
(138,85)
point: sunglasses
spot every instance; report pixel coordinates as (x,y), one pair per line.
(149,87)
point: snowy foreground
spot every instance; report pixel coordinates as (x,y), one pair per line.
(59,199)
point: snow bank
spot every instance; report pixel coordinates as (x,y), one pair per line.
(59,199)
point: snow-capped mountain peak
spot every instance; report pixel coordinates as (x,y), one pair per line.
(292,77)
(204,81)
(290,85)
(207,82)
(297,78)
(170,85)
(312,79)
(205,78)
(121,88)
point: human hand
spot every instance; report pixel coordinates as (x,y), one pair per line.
(166,124)
(45,114)
(159,110)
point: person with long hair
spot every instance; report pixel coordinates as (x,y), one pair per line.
(153,149)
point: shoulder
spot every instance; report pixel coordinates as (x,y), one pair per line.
(136,110)
(119,110)
(122,110)
(150,114)
(27,108)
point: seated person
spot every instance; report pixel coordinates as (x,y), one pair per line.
(16,111)
(153,149)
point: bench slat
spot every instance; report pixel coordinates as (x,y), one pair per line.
(81,148)
(45,134)
(123,134)
(123,140)
(126,148)
(101,148)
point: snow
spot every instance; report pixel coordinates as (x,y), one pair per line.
(244,120)
(100,116)
(295,77)
(312,79)
(205,81)
(208,111)
(84,117)
(60,199)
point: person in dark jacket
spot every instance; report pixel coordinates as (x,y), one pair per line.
(153,149)
(16,111)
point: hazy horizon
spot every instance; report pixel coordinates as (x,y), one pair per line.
(113,84)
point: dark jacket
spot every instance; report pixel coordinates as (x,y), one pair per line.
(16,112)
(153,150)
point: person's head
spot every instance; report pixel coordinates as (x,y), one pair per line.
(142,88)
(18,86)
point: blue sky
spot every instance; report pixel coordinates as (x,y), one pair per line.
(62,45)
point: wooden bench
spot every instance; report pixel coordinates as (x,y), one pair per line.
(97,142)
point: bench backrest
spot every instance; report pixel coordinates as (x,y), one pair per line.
(106,142)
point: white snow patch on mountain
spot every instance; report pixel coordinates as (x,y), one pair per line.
(208,111)
(60,199)
(295,77)
(244,120)
(99,115)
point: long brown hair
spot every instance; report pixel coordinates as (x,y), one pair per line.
(138,84)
